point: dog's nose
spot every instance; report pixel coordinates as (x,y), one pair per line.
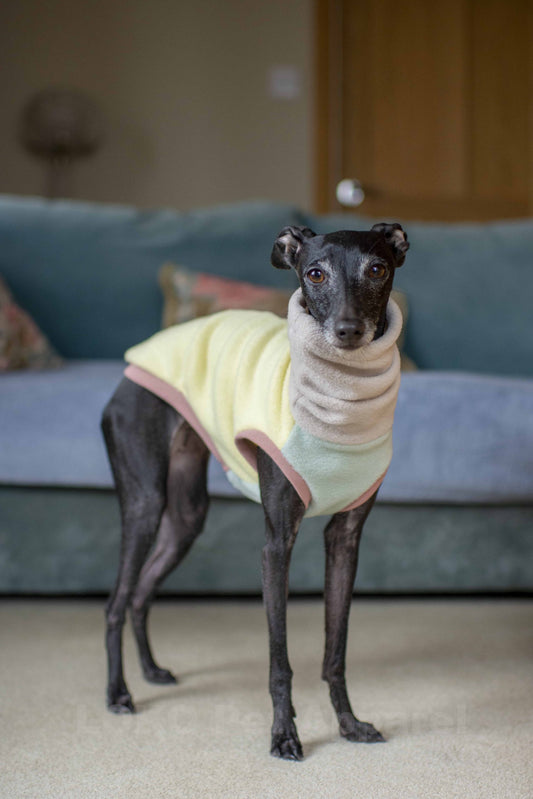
(349,331)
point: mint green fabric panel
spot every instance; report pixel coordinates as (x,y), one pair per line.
(336,474)
(249,490)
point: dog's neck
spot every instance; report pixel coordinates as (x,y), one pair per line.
(340,395)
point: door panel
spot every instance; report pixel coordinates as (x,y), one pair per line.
(427,105)
(500,98)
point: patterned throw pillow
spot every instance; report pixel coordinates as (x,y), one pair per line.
(188,294)
(22,345)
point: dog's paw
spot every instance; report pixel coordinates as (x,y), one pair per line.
(159,676)
(122,703)
(360,731)
(287,745)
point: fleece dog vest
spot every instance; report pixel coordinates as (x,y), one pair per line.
(248,379)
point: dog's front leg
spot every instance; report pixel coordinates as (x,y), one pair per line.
(342,537)
(283,513)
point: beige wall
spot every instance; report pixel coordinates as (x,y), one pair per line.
(183,86)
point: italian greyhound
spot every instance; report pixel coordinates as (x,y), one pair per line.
(159,462)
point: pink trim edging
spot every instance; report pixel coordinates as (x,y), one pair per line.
(247,437)
(363,498)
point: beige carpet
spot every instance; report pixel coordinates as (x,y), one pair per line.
(450,684)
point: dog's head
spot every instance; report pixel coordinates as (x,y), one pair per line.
(346,277)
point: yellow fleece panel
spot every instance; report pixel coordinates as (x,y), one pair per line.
(232,350)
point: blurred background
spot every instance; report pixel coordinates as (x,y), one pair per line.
(201,102)
(427,105)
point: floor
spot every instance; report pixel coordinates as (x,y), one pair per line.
(448,682)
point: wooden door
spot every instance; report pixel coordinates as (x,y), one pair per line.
(428,105)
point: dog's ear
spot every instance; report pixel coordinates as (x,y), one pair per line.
(288,245)
(396,238)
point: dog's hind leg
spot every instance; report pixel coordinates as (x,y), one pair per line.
(342,537)
(283,513)
(137,428)
(182,521)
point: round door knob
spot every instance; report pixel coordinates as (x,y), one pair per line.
(350,193)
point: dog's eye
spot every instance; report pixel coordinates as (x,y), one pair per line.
(377,270)
(316,275)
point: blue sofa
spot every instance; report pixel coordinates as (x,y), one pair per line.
(456,510)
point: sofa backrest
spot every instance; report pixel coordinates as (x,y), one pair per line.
(87,273)
(470,292)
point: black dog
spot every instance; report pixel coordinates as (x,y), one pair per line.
(160,463)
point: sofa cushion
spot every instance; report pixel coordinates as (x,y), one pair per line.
(469,287)
(87,273)
(51,435)
(188,295)
(457,437)
(462,438)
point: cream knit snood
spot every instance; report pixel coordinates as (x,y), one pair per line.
(342,396)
